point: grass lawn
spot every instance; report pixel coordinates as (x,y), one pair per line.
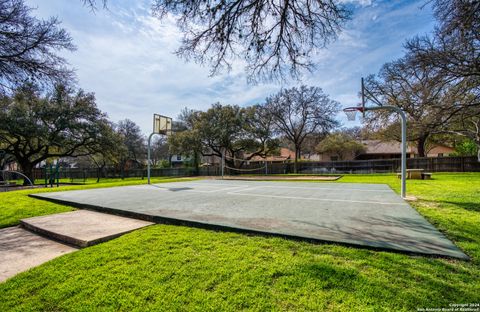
(178,268)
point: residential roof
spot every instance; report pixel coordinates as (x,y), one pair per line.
(390,147)
(384,147)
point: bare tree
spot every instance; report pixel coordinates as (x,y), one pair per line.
(301,112)
(134,142)
(28,46)
(274,38)
(454,47)
(160,150)
(429,99)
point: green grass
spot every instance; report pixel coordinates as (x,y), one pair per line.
(16,205)
(178,268)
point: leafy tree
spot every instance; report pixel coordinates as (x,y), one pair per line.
(109,155)
(28,46)
(225,129)
(5,159)
(300,112)
(64,123)
(273,38)
(133,141)
(341,144)
(466,148)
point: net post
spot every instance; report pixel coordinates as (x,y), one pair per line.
(223,163)
(363,98)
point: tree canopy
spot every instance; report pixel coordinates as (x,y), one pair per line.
(64,123)
(340,144)
(241,133)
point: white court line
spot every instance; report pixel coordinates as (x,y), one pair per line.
(315,199)
(257,186)
(214,184)
(220,189)
(325,188)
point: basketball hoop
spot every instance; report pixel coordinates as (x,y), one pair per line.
(161,125)
(351,112)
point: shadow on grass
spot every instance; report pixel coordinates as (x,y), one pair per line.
(470,206)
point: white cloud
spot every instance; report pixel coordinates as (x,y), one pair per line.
(126,57)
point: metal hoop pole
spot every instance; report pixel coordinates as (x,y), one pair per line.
(223,162)
(404,144)
(266,162)
(148,155)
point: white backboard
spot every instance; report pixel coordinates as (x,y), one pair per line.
(162,124)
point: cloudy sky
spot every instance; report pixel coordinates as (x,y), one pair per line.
(125,56)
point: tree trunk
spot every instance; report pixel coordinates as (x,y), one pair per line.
(295,164)
(421,146)
(478,149)
(27,169)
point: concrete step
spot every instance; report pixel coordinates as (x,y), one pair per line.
(82,228)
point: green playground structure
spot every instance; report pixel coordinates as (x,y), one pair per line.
(52,175)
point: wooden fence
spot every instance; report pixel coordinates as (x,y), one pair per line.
(437,164)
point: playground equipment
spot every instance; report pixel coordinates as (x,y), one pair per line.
(52,175)
(9,178)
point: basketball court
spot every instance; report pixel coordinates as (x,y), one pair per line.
(367,215)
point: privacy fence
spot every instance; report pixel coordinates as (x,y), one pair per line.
(440,164)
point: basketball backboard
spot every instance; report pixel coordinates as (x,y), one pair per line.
(162,124)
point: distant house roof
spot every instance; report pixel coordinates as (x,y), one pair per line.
(285,154)
(384,147)
(392,147)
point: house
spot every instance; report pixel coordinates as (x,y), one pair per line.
(377,149)
(374,149)
(285,154)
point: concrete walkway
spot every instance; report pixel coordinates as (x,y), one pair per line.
(21,248)
(82,228)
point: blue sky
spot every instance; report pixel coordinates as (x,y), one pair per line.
(125,56)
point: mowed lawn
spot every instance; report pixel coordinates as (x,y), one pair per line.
(164,268)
